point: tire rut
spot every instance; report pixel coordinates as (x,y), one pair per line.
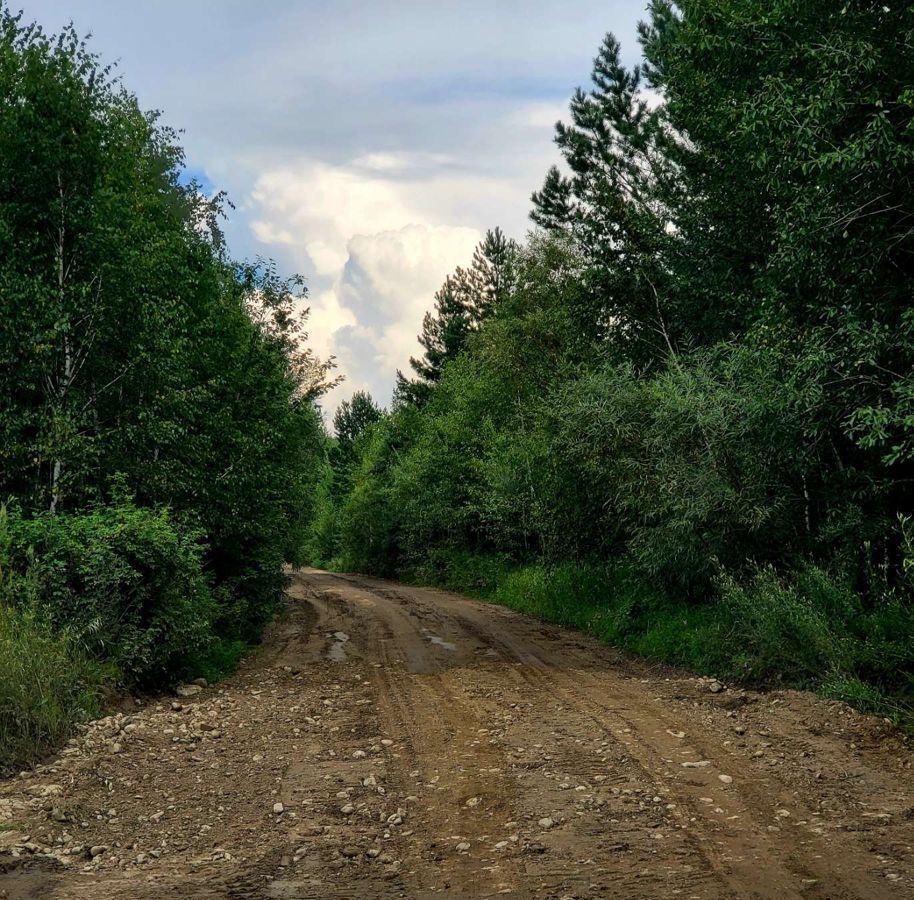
(389,741)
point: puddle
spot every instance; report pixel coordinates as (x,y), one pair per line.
(440,642)
(27,876)
(337,651)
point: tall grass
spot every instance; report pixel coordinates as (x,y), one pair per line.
(808,628)
(46,685)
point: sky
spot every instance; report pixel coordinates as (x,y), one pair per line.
(366,145)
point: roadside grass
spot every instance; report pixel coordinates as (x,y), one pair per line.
(95,603)
(46,685)
(217,661)
(808,629)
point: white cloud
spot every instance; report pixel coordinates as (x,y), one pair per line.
(386,286)
(402,162)
(368,120)
(315,203)
(540,116)
(372,286)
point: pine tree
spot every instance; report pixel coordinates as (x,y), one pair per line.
(353,417)
(610,206)
(445,328)
(465,300)
(491,273)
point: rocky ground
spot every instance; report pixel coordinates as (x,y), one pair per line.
(390,741)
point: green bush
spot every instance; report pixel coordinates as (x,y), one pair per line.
(779,631)
(459,570)
(813,629)
(323,540)
(125,583)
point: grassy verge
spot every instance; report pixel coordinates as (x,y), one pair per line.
(809,630)
(46,685)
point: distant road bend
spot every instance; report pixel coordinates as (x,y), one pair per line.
(391,741)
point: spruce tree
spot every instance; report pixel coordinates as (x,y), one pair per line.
(465,300)
(491,273)
(353,417)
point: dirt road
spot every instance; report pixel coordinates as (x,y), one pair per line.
(390,741)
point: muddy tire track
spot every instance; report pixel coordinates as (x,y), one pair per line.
(392,741)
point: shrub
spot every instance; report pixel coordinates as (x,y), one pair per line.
(460,570)
(698,466)
(812,628)
(778,631)
(124,583)
(323,539)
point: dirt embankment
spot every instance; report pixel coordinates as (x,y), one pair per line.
(391,741)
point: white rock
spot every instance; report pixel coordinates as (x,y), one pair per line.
(188,690)
(278,808)
(546,822)
(726,779)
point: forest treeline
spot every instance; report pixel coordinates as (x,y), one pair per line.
(159,438)
(680,413)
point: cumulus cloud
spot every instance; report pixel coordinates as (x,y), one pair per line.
(366,146)
(319,205)
(389,281)
(368,233)
(370,317)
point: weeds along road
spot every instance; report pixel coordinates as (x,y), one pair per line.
(390,741)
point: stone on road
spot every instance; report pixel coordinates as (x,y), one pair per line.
(391,741)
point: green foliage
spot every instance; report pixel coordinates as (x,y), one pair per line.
(47,681)
(132,346)
(368,524)
(352,418)
(477,574)
(323,540)
(125,582)
(685,422)
(814,629)
(137,358)
(46,684)
(700,466)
